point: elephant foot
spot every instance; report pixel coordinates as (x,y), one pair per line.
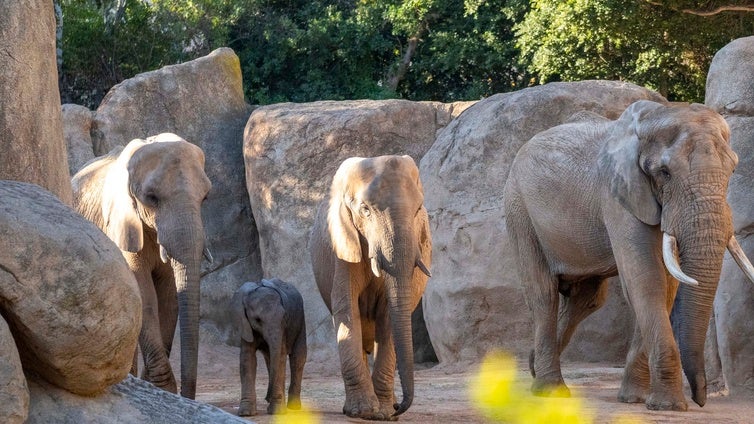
(294,402)
(531,364)
(366,407)
(246,409)
(276,408)
(631,393)
(165,381)
(550,387)
(666,403)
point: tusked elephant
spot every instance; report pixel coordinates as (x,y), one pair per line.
(147,198)
(370,247)
(270,316)
(642,197)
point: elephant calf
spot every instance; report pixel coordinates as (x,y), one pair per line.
(270,316)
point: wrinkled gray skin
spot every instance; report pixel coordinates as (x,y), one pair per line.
(370,247)
(587,201)
(147,198)
(270,316)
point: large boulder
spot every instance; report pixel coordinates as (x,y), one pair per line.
(77,129)
(474,302)
(31,132)
(730,79)
(132,401)
(14,394)
(66,291)
(292,152)
(730,91)
(202,101)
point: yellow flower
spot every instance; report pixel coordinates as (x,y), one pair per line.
(302,416)
(498,395)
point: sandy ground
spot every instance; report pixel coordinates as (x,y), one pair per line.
(441,393)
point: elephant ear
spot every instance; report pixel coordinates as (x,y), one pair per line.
(239,311)
(122,222)
(343,233)
(619,160)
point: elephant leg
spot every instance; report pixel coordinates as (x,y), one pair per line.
(634,387)
(361,402)
(248,367)
(581,300)
(167,301)
(276,386)
(297,360)
(541,293)
(157,368)
(268,365)
(649,293)
(383,375)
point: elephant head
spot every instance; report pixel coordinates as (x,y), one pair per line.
(376,217)
(670,166)
(153,197)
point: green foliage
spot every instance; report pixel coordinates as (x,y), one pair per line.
(649,44)
(445,50)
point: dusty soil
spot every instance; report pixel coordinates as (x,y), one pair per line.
(441,394)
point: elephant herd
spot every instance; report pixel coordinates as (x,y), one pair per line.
(642,197)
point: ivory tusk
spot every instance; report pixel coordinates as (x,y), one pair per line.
(669,254)
(740,257)
(375,267)
(422,267)
(163,254)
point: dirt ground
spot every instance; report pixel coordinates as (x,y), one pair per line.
(441,393)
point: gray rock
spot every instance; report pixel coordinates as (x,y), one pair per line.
(132,401)
(68,296)
(474,303)
(730,80)
(14,395)
(734,301)
(31,131)
(77,127)
(201,101)
(291,153)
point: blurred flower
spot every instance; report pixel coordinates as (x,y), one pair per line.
(302,416)
(498,395)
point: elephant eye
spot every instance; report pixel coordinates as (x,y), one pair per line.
(364,210)
(151,200)
(665,173)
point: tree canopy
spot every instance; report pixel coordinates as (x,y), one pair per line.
(445,50)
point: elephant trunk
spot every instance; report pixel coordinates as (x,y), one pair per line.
(185,248)
(400,320)
(702,245)
(399,266)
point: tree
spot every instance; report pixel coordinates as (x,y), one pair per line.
(649,44)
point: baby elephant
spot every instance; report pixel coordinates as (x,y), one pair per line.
(270,314)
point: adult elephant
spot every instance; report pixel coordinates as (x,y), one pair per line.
(588,200)
(370,248)
(147,198)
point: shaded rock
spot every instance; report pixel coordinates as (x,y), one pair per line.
(130,401)
(734,301)
(201,101)
(730,79)
(14,395)
(32,147)
(77,127)
(474,302)
(291,153)
(66,292)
